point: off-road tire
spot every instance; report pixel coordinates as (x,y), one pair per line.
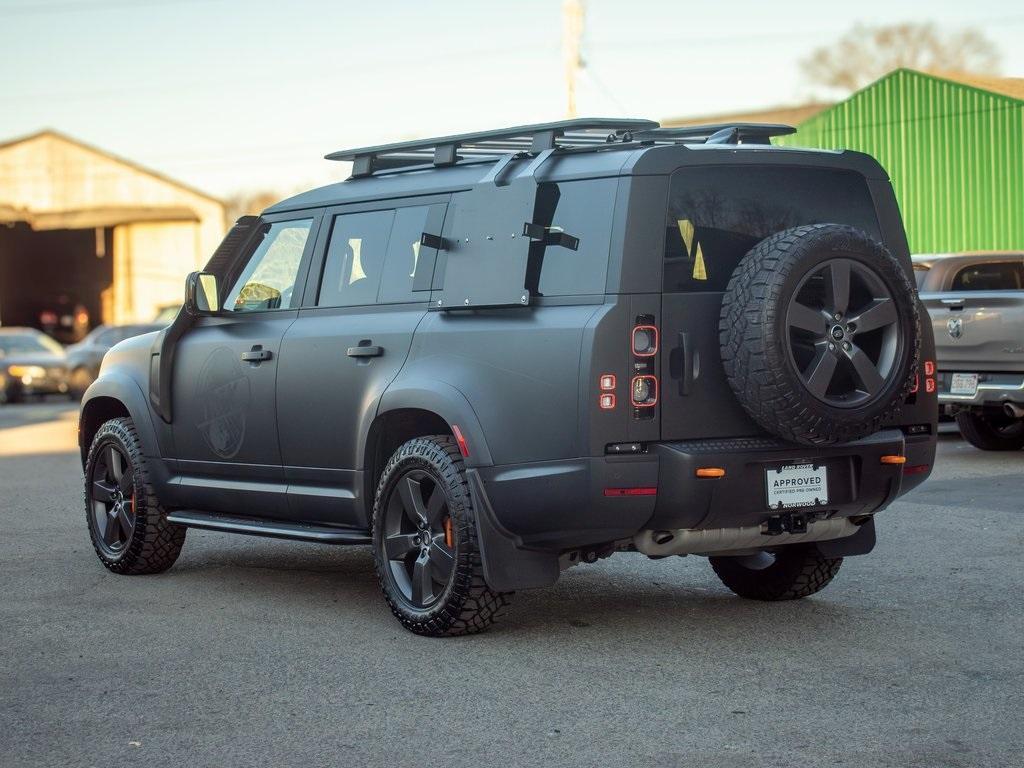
(467,605)
(979,431)
(755,345)
(799,570)
(155,543)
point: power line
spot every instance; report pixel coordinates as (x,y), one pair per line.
(41,9)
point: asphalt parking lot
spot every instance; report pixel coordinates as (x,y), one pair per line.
(258,652)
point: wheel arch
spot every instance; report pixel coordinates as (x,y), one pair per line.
(408,412)
(110,397)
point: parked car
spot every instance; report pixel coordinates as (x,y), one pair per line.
(64,318)
(31,363)
(84,358)
(976,303)
(493,356)
(166,314)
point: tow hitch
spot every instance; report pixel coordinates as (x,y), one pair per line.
(789,523)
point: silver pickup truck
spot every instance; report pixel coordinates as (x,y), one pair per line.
(976,303)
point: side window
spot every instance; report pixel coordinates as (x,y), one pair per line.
(1005,276)
(355,259)
(268,280)
(581,210)
(403,256)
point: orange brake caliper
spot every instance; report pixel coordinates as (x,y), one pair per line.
(449,537)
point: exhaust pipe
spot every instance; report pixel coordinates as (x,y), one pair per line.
(1014,410)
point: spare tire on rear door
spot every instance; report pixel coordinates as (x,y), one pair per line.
(820,334)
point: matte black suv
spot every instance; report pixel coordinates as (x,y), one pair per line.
(497,355)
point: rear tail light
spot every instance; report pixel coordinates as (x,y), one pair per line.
(643,391)
(646,491)
(917,384)
(929,368)
(916,469)
(607,382)
(606,401)
(929,385)
(645,340)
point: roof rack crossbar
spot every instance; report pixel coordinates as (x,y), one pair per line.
(532,138)
(582,134)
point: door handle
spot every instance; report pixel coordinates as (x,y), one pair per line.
(367,350)
(257,354)
(686,354)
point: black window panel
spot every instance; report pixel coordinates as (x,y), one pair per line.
(716,214)
(1003,276)
(403,256)
(355,259)
(581,209)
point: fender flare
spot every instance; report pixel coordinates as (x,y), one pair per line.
(123,388)
(447,402)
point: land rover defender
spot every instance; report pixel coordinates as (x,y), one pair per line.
(494,356)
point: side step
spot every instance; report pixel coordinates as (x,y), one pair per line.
(276,529)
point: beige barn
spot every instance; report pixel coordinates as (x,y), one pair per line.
(84,231)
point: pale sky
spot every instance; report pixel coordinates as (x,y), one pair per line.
(229,95)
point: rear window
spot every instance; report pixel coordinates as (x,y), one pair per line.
(1003,276)
(717,213)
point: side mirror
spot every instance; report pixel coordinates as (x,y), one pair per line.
(201,294)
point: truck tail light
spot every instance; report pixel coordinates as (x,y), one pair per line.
(606,401)
(607,382)
(643,391)
(929,367)
(645,340)
(645,491)
(917,384)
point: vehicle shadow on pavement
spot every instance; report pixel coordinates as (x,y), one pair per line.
(341,583)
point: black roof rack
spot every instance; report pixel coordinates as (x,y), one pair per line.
(577,134)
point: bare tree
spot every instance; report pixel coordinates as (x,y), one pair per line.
(866,53)
(248,202)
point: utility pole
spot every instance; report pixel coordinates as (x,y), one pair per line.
(572,35)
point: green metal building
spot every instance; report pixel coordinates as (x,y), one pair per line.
(953,146)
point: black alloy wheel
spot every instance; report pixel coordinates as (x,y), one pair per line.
(127,525)
(112,500)
(418,539)
(426,549)
(844,333)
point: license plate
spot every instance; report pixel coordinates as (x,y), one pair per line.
(964,384)
(797,485)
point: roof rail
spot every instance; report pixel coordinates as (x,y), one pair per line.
(578,134)
(447,150)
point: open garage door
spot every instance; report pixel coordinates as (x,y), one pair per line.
(55,280)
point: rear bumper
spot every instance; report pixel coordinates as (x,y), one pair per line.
(993,389)
(560,505)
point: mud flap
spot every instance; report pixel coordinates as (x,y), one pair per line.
(860,543)
(507,565)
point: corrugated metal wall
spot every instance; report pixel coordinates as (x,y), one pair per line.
(955,155)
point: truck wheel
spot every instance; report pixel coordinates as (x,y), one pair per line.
(790,573)
(425,542)
(128,527)
(991,432)
(819,334)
